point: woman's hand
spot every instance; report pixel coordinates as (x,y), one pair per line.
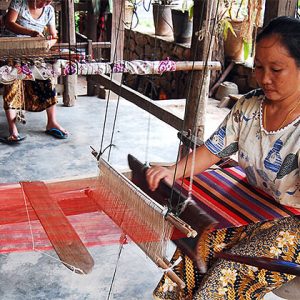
(155,174)
(52,42)
(36,34)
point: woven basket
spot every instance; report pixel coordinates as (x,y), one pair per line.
(23,46)
(4,4)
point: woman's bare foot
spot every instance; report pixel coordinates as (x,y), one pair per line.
(56,126)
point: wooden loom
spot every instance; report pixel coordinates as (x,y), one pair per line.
(225,209)
(145,221)
(112,179)
(142,219)
(39,47)
(18,46)
(64,239)
(83,196)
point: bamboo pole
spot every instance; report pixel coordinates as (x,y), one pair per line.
(197,65)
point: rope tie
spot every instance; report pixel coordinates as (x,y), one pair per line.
(171,268)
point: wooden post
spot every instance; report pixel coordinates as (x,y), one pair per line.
(276,8)
(117,34)
(91,32)
(68,34)
(92,20)
(198,94)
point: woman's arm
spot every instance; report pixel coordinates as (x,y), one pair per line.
(52,35)
(203,160)
(10,24)
(52,31)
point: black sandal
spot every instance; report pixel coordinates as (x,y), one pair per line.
(12,139)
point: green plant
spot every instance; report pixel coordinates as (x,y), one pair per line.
(239,11)
(163,2)
(226,26)
(133,2)
(188,5)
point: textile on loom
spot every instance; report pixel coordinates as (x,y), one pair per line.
(226,195)
(244,213)
(93,226)
(143,221)
(16,46)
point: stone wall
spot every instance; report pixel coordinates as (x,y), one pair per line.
(142,46)
(172,85)
(244,77)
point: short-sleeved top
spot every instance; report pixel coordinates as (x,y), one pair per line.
(25,19)
(270,159)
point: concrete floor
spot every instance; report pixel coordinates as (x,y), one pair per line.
(36,275)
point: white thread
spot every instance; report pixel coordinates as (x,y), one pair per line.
(71,267)
(28,218)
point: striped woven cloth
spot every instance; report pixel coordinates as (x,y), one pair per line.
(226,195)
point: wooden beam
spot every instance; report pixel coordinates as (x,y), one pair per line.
(82,45)
(80,6)
(141,101)
(66,242)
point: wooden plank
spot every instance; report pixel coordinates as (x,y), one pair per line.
(82,45)
(60,232)
(276,8)
(141,101)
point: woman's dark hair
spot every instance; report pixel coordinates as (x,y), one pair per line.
(288,30)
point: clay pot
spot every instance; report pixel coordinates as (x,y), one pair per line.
(234,46)
(162,19)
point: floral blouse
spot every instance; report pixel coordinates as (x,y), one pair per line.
(25,19)
(269,159)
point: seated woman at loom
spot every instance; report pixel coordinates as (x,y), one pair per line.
(264,127)
(29,18)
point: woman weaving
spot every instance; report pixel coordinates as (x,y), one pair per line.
(29,18)
(264,127)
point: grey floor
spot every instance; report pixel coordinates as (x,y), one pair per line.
(38,275)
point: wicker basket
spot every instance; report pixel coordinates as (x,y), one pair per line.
(4,4)
(23,46)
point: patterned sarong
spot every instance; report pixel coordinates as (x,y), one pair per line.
(250,223)
(29,95)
